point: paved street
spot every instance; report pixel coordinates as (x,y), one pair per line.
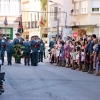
(47,82)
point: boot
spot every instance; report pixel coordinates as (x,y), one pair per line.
(1,89)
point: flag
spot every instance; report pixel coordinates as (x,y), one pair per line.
(41,21)
(5,21)
(20,23)
(20,26)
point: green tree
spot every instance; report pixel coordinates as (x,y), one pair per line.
(43,4)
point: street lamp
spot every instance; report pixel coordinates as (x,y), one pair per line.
(57,19)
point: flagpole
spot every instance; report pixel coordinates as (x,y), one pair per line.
(5,30)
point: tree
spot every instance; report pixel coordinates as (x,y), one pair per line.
(43,4)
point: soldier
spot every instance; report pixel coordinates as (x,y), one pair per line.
(27,46)
(52,43)
(32,38)
(9,50)
(2,47)
(18,40)
(42,49)
(35,48)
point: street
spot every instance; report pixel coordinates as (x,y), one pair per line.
(48,82)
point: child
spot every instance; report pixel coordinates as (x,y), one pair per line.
(53,54)
(74,59)
(82,59)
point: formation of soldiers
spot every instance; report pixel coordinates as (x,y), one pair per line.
(34,49)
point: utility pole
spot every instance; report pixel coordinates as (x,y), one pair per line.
(57,29)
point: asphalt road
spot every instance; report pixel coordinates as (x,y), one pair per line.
(47,82)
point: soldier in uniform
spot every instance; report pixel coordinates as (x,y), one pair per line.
(32,38)
(52,43)
(27,46)
(2,47)
(41,51)
(18,40)
(9,50)
(35,47)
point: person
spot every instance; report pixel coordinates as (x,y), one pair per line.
(35,47)
(18,41)
(32,38)
(90,52)
(9,50)
(52,43)
(28,50)
(2,47)
(41,51)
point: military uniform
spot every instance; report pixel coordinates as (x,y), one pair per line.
(2,49)
(9,50)
(16,42)
(35,48)
(41,51)
(28,50)
(52,43)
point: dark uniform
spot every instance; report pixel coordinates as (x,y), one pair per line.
(28,50)
(41,51)
(9,50)
(52,43)
(2,49)
(18,40)
(35,48)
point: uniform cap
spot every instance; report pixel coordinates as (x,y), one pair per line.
(17,34)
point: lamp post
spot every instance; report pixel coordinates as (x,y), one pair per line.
(57,18)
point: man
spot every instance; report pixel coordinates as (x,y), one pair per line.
(2,47)
(41,51)
(18,40)
(35,47)
(9,50)
(52,43)
(28,50)
(90,53)
(32,38)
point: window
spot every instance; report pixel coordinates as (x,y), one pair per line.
(84,7)
(77,8)
(28,24)
(95,6)
(32,24)
(95,9)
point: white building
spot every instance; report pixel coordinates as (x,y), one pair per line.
(11,9)
(62,10)
(87,15)
(31,17)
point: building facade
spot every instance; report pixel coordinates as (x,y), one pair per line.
(61,15)
(10,9)
(86,15)
(31,17)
